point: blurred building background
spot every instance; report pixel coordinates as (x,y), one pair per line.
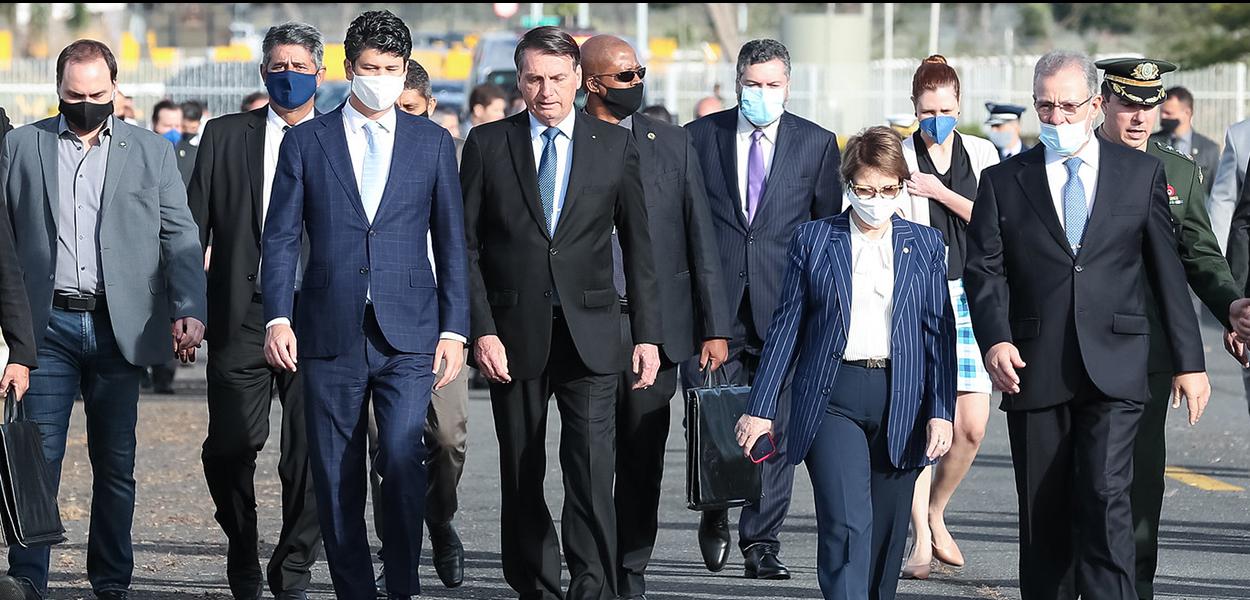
(852,61)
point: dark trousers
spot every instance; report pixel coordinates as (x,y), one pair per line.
(338,392)
(642,421)
(760,523)
(587,405)
(1074,465)
(862,500)
(1146,493)
(79,355)
(240,391)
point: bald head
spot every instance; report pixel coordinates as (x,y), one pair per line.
(707,106)
(607,54)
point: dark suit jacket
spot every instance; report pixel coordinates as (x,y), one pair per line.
(227,199)
(515,266)
(683,239)
(814,316)
(186,153)
(1204,150)
(803,184)
(1071,315)
(314,190)
(14,305)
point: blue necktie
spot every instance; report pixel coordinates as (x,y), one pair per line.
(1075,210)
(547,177)
(372,181)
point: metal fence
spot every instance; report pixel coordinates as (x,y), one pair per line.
(841,97)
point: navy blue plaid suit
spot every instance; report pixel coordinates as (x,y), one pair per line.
(353,355)
(803,184)
(863,464)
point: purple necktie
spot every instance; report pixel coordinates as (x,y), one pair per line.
(755,174)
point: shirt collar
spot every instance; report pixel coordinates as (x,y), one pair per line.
(274,120)
(1089,155)
(356,121)
(63,128)
(627,122)
(566,126)
(745,128)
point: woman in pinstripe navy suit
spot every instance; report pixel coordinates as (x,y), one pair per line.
(866,327)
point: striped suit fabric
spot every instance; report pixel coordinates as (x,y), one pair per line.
(808,336)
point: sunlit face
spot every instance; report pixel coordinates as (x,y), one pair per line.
(88,81)
(451,123)
(169,119)
(373,62)
(548,84)
(413,103)
(1128,123)
(489,113)
(622,61)
(770,74)
(1066,87)
(941,102)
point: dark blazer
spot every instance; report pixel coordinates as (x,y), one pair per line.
(803,184)
(314,190)
(186,155)
(14,304)
(515,266)
(814,315)
(1204,150)
(683,239)
(1067,314)
(227,199)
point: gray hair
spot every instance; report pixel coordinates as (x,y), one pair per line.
(294,34)
(755,52)
(1057,60)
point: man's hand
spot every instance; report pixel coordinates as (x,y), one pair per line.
(713,355)
(646,365)
(280,351)
(939,433)
(450,356)
(1236,348)
(1001,362)
(749,429)
(188,332)
(492,359)
(1239,316)
(17,378)
(1196,389)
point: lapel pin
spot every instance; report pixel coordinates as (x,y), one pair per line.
(651,135)
(906,249)
(594,137)
(123,145)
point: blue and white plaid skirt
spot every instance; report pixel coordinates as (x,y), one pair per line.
(968,357)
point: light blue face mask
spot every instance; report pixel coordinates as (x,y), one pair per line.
(762,106)
(938,128)
(173,135)
(1066,138)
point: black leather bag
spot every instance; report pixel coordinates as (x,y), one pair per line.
(30,515)
(717,474)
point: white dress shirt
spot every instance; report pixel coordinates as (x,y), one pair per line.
(872,295)
(767,144)
(275,130)
(1057,176)
(564,158)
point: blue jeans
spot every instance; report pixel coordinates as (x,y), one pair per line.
(79,355)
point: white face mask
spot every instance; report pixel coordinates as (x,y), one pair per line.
(378,92)
(1065,138)
(875,211)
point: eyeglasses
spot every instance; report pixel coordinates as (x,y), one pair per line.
(1068,108)
(864,192)
(626,76)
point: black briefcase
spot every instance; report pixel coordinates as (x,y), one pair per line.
(718,476)
(30,515)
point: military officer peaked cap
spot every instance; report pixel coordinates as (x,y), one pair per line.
(1136,80)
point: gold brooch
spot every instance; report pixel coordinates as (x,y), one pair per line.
(1146,71)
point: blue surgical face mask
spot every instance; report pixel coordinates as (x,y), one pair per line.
(173,135)
(290,89)
(762,106)
(1065,138)
(1002,139)
(938,128)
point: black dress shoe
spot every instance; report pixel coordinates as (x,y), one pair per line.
(448,554)
(714,539)
(13,588)
(292,595)
(762,563)
(113,595)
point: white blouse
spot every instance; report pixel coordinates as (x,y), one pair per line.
(872,295)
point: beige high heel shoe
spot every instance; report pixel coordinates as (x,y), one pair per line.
(911,571)
(951,557)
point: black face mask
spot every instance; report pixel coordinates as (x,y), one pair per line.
(85,116)
(1169,125)
(622,102)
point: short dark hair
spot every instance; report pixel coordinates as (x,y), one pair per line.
(192,110)
(658,111)
(380,30)
(877,148)
(1181,94)
(83,51)
(484,94)
(755,52)
(165,104)
(294,34)
(547,40)
(250,98)
(418,79)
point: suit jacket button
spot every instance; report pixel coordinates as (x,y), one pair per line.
(825,392)
(364,270)
(1079,268)
(251,277)
(742,273)
(554,252)
(750,239)
(547,294)
(372,233)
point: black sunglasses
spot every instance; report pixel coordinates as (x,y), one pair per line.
(626,76)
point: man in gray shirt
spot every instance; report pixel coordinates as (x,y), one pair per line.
(115,280)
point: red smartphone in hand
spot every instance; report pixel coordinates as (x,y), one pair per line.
(765,447)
